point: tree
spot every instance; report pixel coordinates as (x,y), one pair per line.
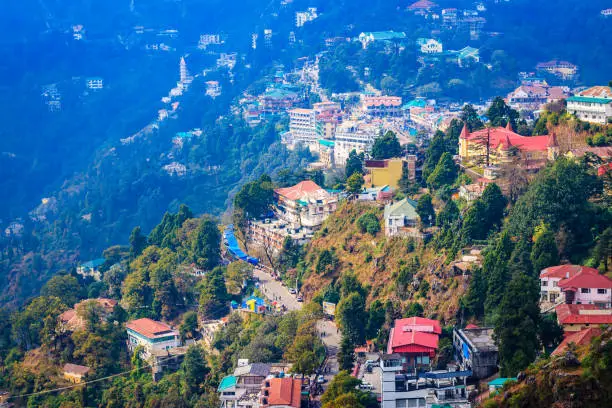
(369,223)
(386,146)
(435,150)
(470,117)
(414,309)
(603,250)
(342,392)
(354,184)
(351,315)
(474,301)
(376,319)
(544,252)
(206,244)
(189,326)
(235,275)
(213,295)
(255,198)
(551,333)
(495,203)
(64,287)
(138,242)
(354,163)
(448,215)
(495,268)
(346,354)
(425,210)
(307,351)
(28,324)
(473,227)
(516,327)
(194,367)
(499,113)
(445,172)
(406,184)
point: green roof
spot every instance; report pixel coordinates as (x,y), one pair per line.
(93,264)
(468,52)
(498,382)
(327,143)
(588,99)
(386,35)
(227,382)
(405,207)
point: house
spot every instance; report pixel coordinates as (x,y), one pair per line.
(386,172)
(242,389)
(528,97)
(303,17)
(278,99)
(382,106)
(401,219)
(251,376)
(498,383)
(75,373)
(213,89)
(91,268)
(587,287)
(305,204)
(422,7)
(603,152)
(303,127)
(574,318)
(368,38)
(579,338)
(352,135)
(475,350)
(381,194)
(472,192)
(561,69)
(94,83)
(429,46)
(283,392)
(270,234)
(467,55)
(71,321)
(550,292)
(499,145)
(592,105)
(154,337)
(415,339)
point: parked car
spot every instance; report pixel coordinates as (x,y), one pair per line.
(292,291)
(366,386)
(300,298)
(373,363)
(320,379)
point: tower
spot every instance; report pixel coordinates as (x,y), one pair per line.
(185,78)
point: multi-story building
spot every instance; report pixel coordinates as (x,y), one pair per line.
(270,234)
(389,172)
(550,292)
(303,127)
(154,337)
(587,287)
(592,105)
(429,46)
(303,17)
(382,106)
(209,39)
(475,350)
(305,204)
(353,136)
(401,219)
(94,83)
(574,318)
(380,36)
(415,339)
(561,69)
(281,393)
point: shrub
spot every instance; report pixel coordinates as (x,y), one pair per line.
(368,223)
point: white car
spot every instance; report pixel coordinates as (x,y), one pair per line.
(292,291)
(320,379)
(366,386)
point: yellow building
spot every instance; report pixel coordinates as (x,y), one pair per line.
(75,373)
(388,172)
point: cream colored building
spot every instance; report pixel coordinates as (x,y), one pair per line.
(592,105)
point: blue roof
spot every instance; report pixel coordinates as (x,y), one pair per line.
(94,263)
(386,35)
(498,382)
(446,374)
(227,382)
(234,249)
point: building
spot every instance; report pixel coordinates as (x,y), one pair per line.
(387,172)
(75,373)
(498,146)
(303,17)
(351,136)
(277,100)
(209,39)
(403,387)
(472,192)
(71,321)
(592,105)
(303,127)
(415,339)
(382,106)
(154,337)
(498,383)
(305,204)
(213,89)
(560,69)
(185,78)
(91,268)
(606,12)
(401,219)
(429,46)
(281,393)
(94,83)
(587,287)
(550,291)
(227,60)
(422,7)
(383,194)
(475,350)
(574,318)
(579,338)
(270,234)
(368,38)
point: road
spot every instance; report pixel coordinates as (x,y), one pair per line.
(275,291)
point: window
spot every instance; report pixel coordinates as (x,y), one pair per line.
(585,290)
(555,284)
(601,291)
(553,297)
(544,283)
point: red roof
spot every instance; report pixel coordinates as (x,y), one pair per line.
(67,315)
(583,314)
(414,334)
(422,4)
(420,324)
(300,190)
(566,271)
(150,328)
(604,168)
(506,138)
(579,338)
(471,326)
(586,280)
(285,391)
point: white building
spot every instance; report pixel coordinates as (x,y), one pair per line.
(185,77)
(592,105)
(227,60)
(303,17)
(154,337)
(353,136)
(209,39)
(94,83)
(429,46)
(303,127)
(213,89)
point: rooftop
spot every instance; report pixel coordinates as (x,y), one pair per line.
(150,328)
(257,369)
(304,190)
(506,138)
(597,92)
(566,271)
(405,207)
(76,369)
(285,391)
(227,382)
(481,339)
(583,314)
(586,279)
(579,338)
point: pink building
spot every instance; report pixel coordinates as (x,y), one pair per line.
(550,292)
(579,284)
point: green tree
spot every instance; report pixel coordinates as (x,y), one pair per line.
(425,210)
(256,197)
(414,309)
(470,117)
(346,354)
(354,184)
(206,245)
(195,369)
(435,150)
(551,333)
(354,163)
(189,326)
(386,146)
(445,172)
(138,242)
(369,223)
(27,325)
(544,252)
(495,268)
(516,327)
(351,316)
(64,287)
(307,351)
(213,295)
(473,302)
(495,203)
(448,215)
(499,113)
(376,319)
(473,226)
(602,253)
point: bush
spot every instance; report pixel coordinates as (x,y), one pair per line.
(368,223)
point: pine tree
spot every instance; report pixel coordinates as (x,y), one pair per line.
(445,172)
(346,354)
(138,242)
(544,252)
(474,301)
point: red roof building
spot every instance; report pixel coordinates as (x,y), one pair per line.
(416,338)
(422,5)
(579,284)
(566,271)
(580,338)
(574,318)
(281,392)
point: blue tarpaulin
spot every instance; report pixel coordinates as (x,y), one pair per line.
(234,249)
